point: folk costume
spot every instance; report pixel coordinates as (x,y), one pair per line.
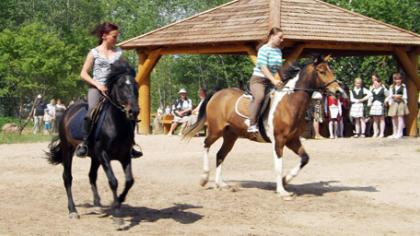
(377,101)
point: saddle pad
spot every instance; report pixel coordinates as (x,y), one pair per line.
(76,123)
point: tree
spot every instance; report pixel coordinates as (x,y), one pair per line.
(34,60)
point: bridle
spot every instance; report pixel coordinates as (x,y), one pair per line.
(321,89)
(120,107)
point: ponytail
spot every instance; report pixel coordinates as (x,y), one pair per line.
(102,29)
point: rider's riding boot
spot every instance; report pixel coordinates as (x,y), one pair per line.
(82,148)
(136,153)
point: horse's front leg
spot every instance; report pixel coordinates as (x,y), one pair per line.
(129,180)
(296,146)
(113,182)
(278,146)
(93,175)
(68,179)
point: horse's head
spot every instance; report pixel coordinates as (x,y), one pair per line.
(324,77)
(122,89)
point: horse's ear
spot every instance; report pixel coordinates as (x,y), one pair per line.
(319,59)
(328,58)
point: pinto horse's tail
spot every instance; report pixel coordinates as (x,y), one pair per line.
(201,120)
(55,155)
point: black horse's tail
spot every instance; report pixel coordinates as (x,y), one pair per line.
(55,155)
(201,120)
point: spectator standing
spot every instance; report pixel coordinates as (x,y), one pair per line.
(358,98)
(194,114)
(60,108)
(51,113)
(38,115)
(376,102)
(47,122)
(334,114)
(317,113)
(397,101)
(181,109)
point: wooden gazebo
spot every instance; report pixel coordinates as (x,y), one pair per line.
(309,26)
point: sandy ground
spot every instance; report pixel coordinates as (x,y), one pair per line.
(349,187)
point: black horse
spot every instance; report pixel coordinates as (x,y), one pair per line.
(111,137)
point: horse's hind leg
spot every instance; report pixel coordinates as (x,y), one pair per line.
(93,175)
(129,180)
(229,139)
(68,179)
(296,146)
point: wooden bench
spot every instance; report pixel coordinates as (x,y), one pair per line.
(166,121)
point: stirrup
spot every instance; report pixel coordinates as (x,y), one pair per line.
(82,150)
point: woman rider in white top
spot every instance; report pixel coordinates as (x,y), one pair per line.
(99,59)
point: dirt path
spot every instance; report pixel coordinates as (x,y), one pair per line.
(350,187)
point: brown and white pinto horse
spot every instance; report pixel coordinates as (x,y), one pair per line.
(283,124)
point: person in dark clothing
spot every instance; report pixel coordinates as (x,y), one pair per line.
(39,112)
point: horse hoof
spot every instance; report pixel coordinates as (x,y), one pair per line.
(204,180)
(74,215)
(288,196)
(223,186)
(118,221)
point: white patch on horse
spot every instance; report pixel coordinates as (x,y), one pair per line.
(275,101)
(127,81)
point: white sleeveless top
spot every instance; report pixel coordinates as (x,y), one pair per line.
(102,65)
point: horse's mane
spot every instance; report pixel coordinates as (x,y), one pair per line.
(289,72)
(118,68)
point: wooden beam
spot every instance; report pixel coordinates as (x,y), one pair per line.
(206,49)
(146,65)
(350,46)
(275,14)
(408,66)
(294,55)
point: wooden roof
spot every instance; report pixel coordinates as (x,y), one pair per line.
(249,20)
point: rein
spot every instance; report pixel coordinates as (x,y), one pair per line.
(118,106)
(321,89)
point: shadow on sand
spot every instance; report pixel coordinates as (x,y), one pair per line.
(316,188)
(134,215)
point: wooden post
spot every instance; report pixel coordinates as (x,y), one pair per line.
(413,96)
(252,53)
(141,59)
(409,64)
(275,10)
(146,65)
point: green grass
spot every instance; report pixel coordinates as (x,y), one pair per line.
(6,119)
(24,138)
